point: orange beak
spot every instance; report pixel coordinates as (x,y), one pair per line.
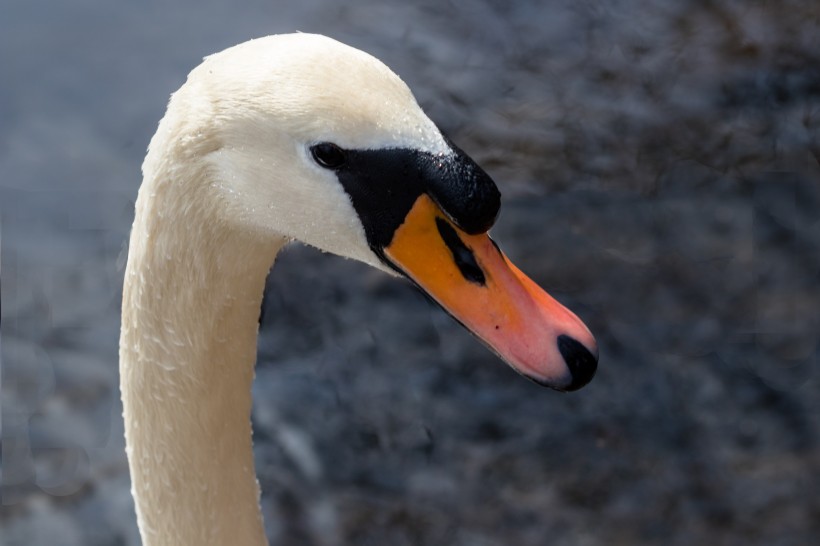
(473,280)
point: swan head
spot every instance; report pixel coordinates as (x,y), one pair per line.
(306,138)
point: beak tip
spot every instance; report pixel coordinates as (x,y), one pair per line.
(581,364)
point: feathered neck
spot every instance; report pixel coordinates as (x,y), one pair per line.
(191,298)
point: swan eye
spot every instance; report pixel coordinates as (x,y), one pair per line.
(328,155)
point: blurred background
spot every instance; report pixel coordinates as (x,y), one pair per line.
(660,169)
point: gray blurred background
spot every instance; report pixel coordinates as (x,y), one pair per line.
(660,167)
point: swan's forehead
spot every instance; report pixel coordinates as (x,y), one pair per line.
(318,89)
(368,118)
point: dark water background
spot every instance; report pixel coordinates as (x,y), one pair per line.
(660,166)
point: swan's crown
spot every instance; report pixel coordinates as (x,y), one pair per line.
(321,90)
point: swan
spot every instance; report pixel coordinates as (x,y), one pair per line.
(282,138)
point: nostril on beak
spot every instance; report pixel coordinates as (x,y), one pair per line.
(581,362)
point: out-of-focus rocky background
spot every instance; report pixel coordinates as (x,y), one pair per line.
(660,165)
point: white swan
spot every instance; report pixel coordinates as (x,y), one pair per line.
(281,138)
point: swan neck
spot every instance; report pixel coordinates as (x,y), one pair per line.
(191,301)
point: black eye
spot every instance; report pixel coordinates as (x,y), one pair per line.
(328,155)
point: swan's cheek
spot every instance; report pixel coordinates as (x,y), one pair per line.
(473,281)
